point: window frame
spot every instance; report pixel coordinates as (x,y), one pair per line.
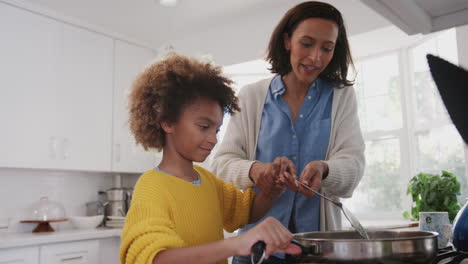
(407,134)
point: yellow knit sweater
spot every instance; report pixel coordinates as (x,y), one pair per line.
(168,212)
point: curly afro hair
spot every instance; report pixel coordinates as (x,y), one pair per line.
(162,91)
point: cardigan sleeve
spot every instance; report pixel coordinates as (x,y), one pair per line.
(346,159)
(231,161)
(149,228)
(236,205)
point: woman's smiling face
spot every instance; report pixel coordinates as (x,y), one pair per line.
(311,48)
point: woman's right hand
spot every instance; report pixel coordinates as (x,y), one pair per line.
(276,237)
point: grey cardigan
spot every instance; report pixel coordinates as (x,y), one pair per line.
(345,154)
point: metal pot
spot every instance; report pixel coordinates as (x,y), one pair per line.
(384,246)
(118,201)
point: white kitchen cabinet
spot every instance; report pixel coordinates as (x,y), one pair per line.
(82,252)
(56,94)
(84,102)
(28,255)
(130,60)
(109,250)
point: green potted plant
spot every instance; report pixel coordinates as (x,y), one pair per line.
(434,193)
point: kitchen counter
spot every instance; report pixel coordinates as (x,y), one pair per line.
(9,240)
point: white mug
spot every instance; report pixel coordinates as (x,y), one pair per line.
(444,235)
(437,222)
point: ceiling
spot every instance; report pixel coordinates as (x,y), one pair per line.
(148,23)
(422,16)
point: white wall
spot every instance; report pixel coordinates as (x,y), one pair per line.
(222,41)
(462,42)
(380,40)
(228,43)
(244,36)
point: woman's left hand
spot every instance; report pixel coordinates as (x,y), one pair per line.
(311,176)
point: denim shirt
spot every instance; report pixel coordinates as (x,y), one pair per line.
(304,141)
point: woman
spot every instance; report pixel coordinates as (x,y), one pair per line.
(302,120)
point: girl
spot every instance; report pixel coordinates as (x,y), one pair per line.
(179,210)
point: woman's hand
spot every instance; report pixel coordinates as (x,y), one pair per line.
(266,175)
(311,176)
(276,237)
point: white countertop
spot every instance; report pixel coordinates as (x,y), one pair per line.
(8,240)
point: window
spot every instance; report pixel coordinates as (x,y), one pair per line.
(404,122)
(242,74)
(405,125)
(437,142)
(378,88)
(247,72)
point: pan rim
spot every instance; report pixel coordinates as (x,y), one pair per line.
(422,235)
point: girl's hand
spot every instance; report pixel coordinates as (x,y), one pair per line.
(276,237)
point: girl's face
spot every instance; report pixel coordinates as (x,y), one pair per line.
(194,134)
(311,48)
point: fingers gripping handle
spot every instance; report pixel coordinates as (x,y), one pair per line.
(258,251)
(258,248)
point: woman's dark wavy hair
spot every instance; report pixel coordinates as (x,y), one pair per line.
(337,70)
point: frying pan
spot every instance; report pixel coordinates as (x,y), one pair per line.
(346,247)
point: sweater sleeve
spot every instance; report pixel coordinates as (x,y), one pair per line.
(236,205)
(148,230)
(346,158)
(231,161)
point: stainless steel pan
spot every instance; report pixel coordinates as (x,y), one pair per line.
(383,247)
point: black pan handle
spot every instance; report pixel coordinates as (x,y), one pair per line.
(259,247)
(304,250)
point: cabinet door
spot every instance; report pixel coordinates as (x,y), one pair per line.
(83,252)
(27,110)
(84,93)
(28,255)
(109,250)
(130,60)
(56,100)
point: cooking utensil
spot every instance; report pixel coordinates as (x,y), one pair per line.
(351,218)
(347,247)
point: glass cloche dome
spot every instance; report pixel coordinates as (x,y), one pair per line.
(45,210)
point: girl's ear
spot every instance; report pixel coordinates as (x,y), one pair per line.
(167,127)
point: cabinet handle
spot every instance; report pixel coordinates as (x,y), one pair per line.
(117,152)
(65,148)
(52,147)
(71,259)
